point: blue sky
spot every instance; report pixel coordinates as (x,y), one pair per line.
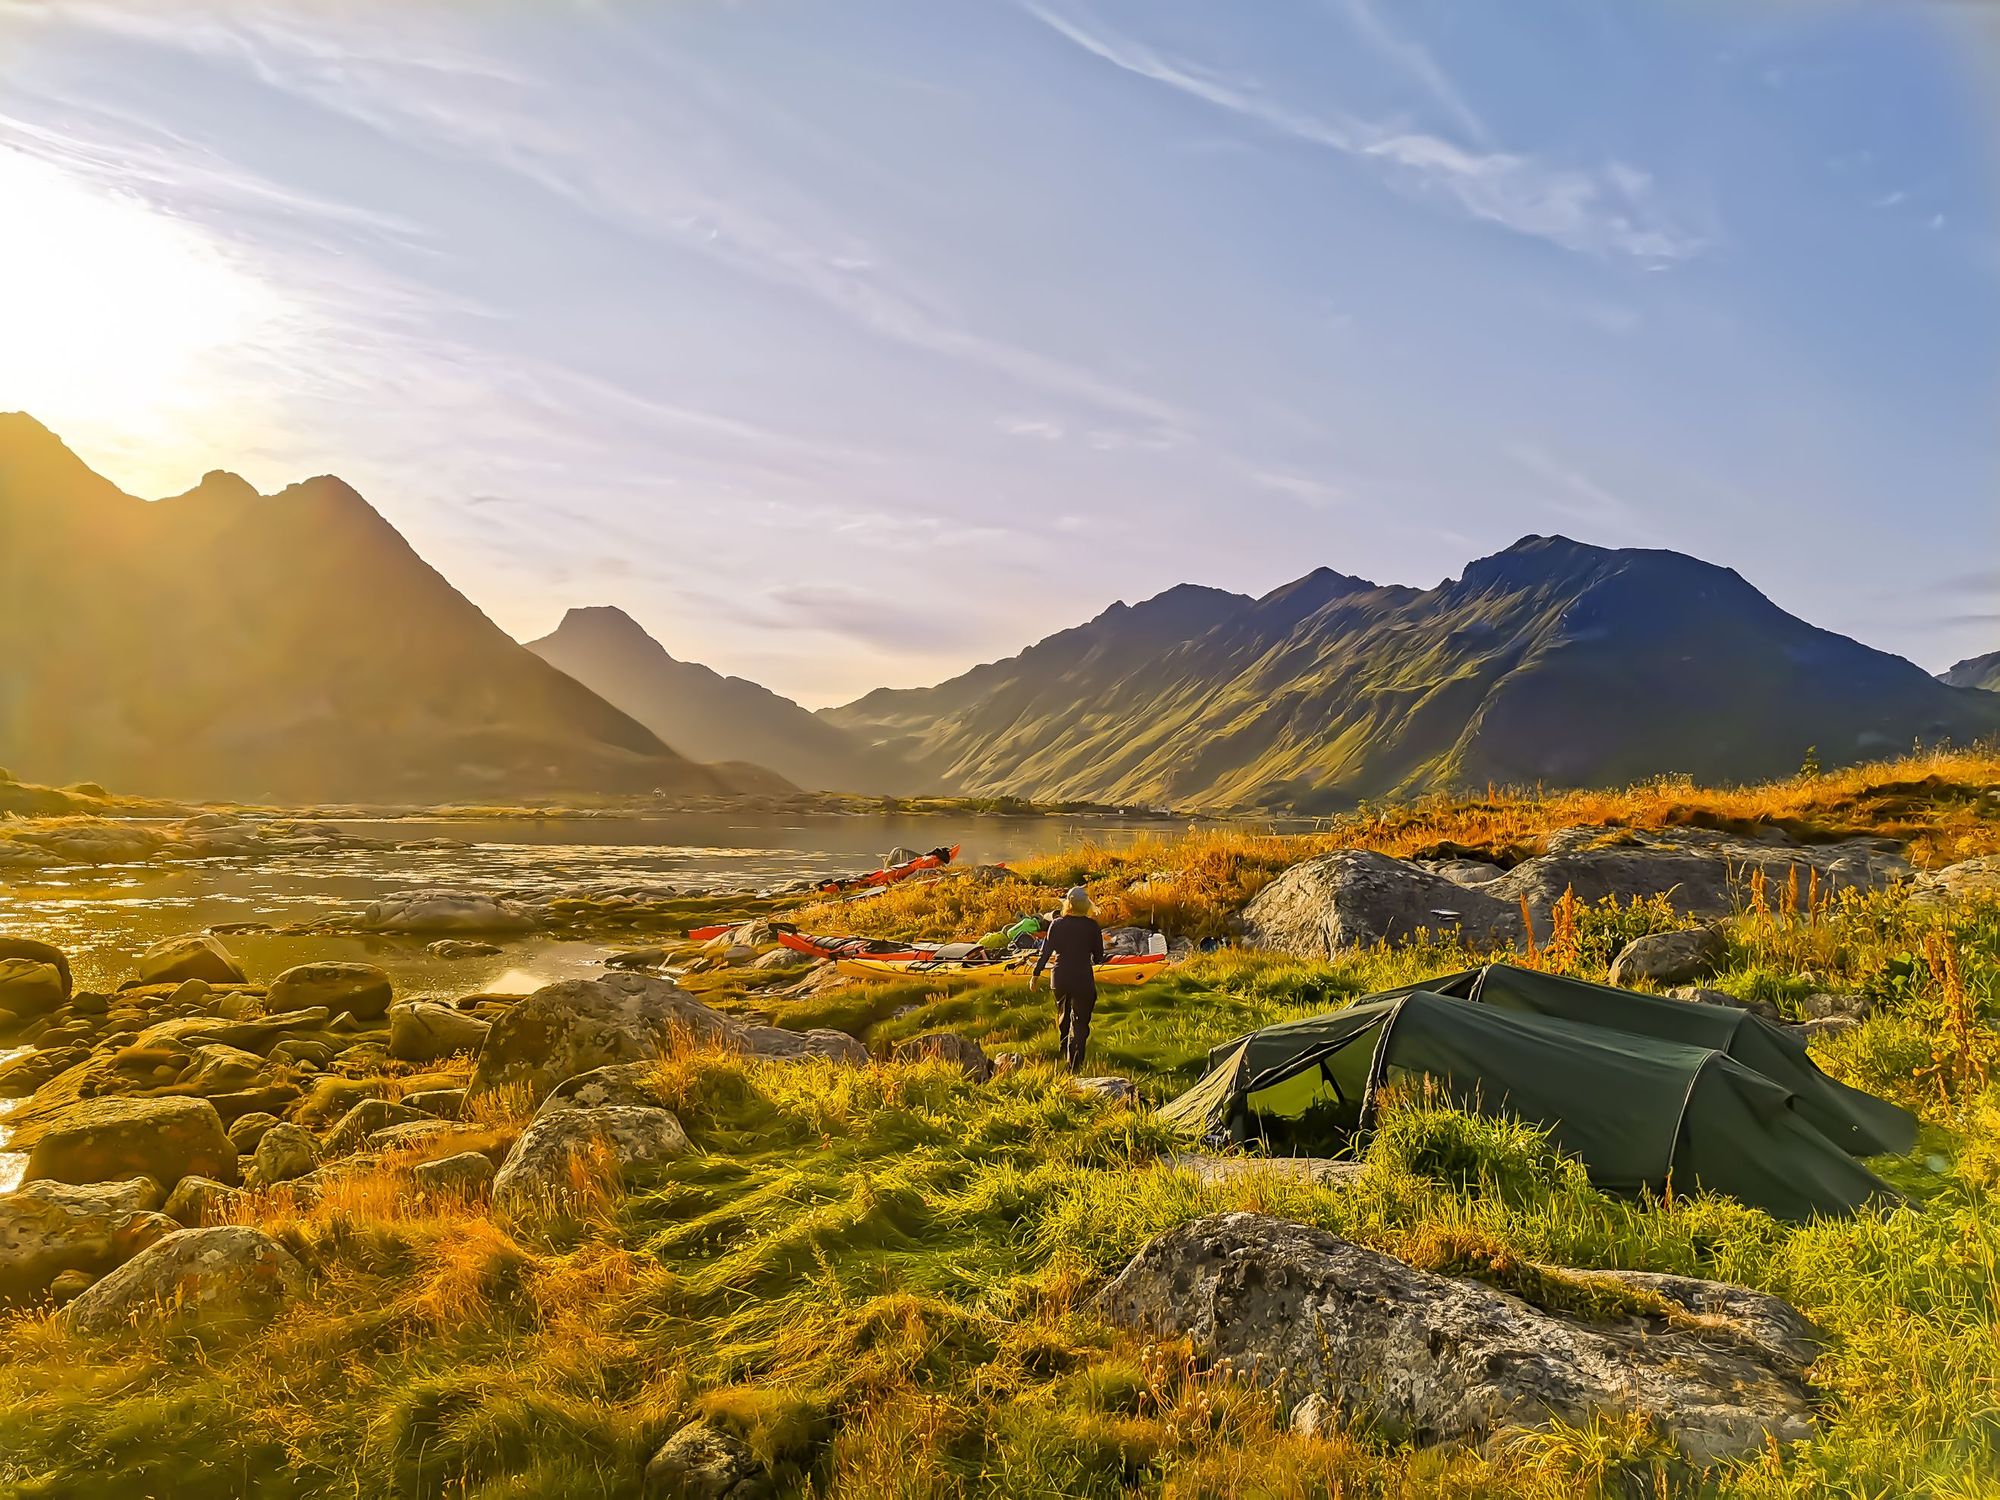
(850,344)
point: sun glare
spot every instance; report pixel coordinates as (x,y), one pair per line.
(121,327)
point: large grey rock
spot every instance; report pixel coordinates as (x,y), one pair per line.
(196,956)
(286,1151)
(47,1228)
(1968,880)
(424,1031)
(948,1046)
(217,1068)
(39,952)
(623,1083)
(113,1138)
(1702,872)
(193,1278)
(362,990)
(581,1024)
(1670,957)
(1354,898)
(1429,1359)
(706,1462)
(540,1175)
(30,988)
(444,911)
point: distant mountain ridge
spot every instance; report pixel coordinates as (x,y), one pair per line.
(1552,662)
(226,644)
(1975,672)
(713,717)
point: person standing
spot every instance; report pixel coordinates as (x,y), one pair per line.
(1074,945)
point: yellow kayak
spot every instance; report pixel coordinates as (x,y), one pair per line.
(1126,971)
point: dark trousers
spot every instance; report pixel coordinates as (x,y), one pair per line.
(1074,1003)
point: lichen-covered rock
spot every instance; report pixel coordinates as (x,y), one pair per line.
(218,1068)
(581,1024)
(444,911)
(636,1084)
(47,1228)
(286,1151)
(193,1279)
(705,1462)
(29,987)
(38,952)
(1428,1359)
(196,956)
(565,1152)
(948,1046)
(466,1175)
(196,1201)
(1353,898)
(110,1139)
(1670,957)
(1969,878)
(424,1031)
(362,1121)
(362,990)
(445,1104)
(245,1133)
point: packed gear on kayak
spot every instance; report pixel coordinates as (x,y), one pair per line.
(890,873)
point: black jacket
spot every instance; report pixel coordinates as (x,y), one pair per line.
(1073,945)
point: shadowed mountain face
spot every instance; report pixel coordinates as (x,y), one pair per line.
(291,647)
(1976,672)
(713,717)
(1550,662)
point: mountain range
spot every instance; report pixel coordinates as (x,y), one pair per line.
(1551,662)
(713,717)
(1976,672)
(289,647)
(294,648)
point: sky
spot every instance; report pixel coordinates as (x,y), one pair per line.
(848,345)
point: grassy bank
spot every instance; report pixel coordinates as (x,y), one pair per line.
(882,1277)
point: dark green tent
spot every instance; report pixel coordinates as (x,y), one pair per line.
(1859,1123)
(1639,1112)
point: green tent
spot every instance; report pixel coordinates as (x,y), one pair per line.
(1859,1123)
(1640,1112)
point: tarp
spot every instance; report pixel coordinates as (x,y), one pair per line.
(1859,1123)
(1640,1112)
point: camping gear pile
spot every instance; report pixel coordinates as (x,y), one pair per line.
(1652,1095)
(899,864)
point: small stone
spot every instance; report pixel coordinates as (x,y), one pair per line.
(70,1285)
(362,1121)
(462,948)
(949,1047)
(197,1201)
(249,1130)
(1670,957)
(466,1175)
(284,1152)
(704,1462)
(197,956)
(446,1104)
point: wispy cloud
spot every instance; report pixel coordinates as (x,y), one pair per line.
(1575,494)
(1607,212)
(1415,61)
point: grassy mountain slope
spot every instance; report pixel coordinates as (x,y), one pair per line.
(1976,672)
(290,647)
(1549,662)
(717,718)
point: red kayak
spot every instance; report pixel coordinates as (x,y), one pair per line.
(936,859)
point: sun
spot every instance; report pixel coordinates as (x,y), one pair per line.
(123,328)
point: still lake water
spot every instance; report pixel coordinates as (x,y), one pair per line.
(104,916)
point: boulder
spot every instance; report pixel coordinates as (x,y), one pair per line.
(416,1134)
(1353,898)
(218,1068)
(781,958)
(462,948)
(581,1024)
(1428,1359)
(445,1104)
(362,1121)
(540,1175)
(1964,881)
(285,1152)
(637,958)
(466,1175)
(245,1133)
(424,1031)
(444,911)
(196,1201)
(193,1279)
(196,956)
(47,1228)
(1670,957)
(362,990)
(1702,872)
(948,1046)
(112,1138)
(38,952)
(706,1462)
(635,1084)
(29,987)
